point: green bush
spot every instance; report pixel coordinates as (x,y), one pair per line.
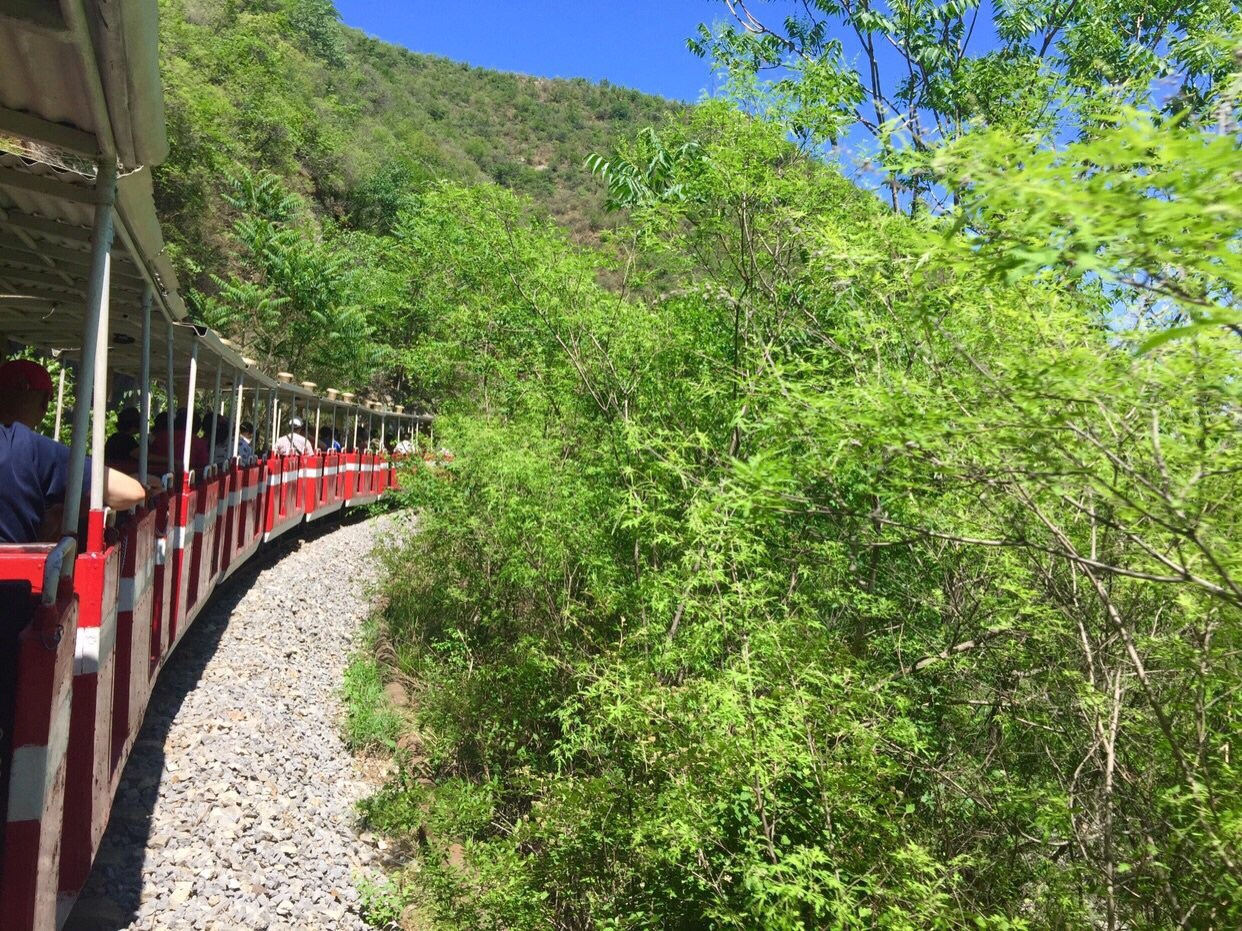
(811,586)
(383,902)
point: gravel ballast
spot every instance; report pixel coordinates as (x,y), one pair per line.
(237,807)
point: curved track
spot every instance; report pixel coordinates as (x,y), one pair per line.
(236,809)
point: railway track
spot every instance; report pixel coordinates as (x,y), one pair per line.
(236,809)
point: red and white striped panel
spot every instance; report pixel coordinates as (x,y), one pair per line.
(349,469)
(226,520)
(133,637)
(181,543)
(30,868)
(88,773)
(198,559)
(308,481)
(253,509)
(161,587)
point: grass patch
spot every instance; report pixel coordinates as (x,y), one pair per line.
(371,723)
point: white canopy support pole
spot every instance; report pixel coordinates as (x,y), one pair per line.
(271,417)
(318,409)
(260,417)
(383,434)
(238,412)
(60,400)
(144,399)
(99,392)
(215,413)
(228,399)
(90,374)
(357,416)
(189,408)
(172,401)
(276,418)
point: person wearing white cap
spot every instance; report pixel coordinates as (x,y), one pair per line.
(294,441)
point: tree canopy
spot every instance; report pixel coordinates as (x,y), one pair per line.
(846,568)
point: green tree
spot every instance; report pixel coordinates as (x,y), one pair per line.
(297,300)
(851,575)
(318,25)
(919,73)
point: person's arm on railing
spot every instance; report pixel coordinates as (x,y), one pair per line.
(122,492)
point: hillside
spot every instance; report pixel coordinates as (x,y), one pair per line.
(528,134)
(296,146)
(352,125)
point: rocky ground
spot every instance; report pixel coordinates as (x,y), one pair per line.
(236,810)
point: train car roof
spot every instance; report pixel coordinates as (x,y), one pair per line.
(80,82)
(84,75)
(45,237)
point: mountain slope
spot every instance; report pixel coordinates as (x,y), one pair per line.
(352,124)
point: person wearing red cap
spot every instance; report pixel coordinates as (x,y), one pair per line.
(28,388)
(34,469)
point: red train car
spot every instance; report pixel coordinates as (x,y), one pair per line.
(88,621)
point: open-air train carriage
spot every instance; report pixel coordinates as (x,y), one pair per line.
(87,621)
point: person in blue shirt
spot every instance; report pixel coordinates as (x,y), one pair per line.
(327,441)
(34,469)
(245,439)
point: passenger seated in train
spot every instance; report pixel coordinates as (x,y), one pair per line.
(200,456)
(294,441)
(36,467)
(327,441)
(121,450)
(213,430)
(223,451)
(245,444)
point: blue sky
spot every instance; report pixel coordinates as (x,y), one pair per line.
(634,43)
